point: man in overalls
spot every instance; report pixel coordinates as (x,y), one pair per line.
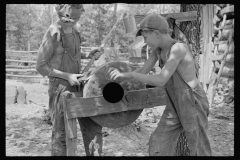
(183,128)
(59,59)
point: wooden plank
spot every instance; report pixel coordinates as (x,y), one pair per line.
(227,10)
(17,66)
(23,76)
(221,68)
(217,57)
(20,70)
(21,51)
(133,100)
(207,15)
(20,61)
(21,56)
(228,70)
(226,26)
(230,58)
(70,128)
(180,17)
(220,42)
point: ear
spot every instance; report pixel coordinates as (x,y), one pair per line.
(157,32)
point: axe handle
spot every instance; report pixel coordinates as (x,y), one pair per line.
(104,42)
(89,65)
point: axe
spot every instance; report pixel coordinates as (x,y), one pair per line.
(130,27)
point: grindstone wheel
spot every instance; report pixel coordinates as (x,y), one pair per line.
(99,83)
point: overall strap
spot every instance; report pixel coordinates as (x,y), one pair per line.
(62,38)
(77,32)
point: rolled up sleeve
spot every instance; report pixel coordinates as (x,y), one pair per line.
(45,52)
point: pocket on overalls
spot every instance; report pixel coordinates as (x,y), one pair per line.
(187,111)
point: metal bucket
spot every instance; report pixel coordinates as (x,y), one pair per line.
(130,24)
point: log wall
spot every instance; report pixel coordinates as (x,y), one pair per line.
(222,51)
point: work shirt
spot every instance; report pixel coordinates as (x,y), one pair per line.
(51,51)
(64,55)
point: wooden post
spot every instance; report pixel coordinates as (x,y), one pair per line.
(70,127)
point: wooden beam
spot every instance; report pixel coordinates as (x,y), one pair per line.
(226,26)
(217,57)
(227,9)
(17,66)
(20,70)
(180,17)
(133,100)
(18,56)
(183,16)
(23,76)
(21,51)
(70,129)
(20,61)
(220,42)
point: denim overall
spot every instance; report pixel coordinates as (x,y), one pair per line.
(91,132)
(183,128)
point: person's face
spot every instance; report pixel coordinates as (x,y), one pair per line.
(151,37)
(71,13)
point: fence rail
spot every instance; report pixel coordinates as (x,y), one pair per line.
(16,66)
(21,64)
(20,61)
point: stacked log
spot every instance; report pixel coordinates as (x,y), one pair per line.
(223,40)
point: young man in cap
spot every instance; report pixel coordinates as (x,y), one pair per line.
(183,128)
(59,59)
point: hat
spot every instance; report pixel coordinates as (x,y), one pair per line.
(69,12)
(154,21)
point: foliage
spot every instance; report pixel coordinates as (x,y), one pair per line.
(27,23)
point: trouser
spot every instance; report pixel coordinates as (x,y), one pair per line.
(184,120)
(91,132)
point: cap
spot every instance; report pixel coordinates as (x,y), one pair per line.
(65,14)
(154,21)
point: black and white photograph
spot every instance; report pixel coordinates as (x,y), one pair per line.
(119,80)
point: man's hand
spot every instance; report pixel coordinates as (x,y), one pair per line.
(114,74)
(96,53)
(73,79)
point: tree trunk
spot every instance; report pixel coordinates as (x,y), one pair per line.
(192,31)
(192,28)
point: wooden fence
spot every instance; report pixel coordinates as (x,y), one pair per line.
(22,64)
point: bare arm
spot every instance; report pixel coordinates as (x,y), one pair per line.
(148,65)
(176,55)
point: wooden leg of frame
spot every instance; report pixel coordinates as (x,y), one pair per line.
(71,131)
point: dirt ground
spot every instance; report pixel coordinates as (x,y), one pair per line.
(28,134)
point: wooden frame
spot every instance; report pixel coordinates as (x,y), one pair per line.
(179,17)
(75,106)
